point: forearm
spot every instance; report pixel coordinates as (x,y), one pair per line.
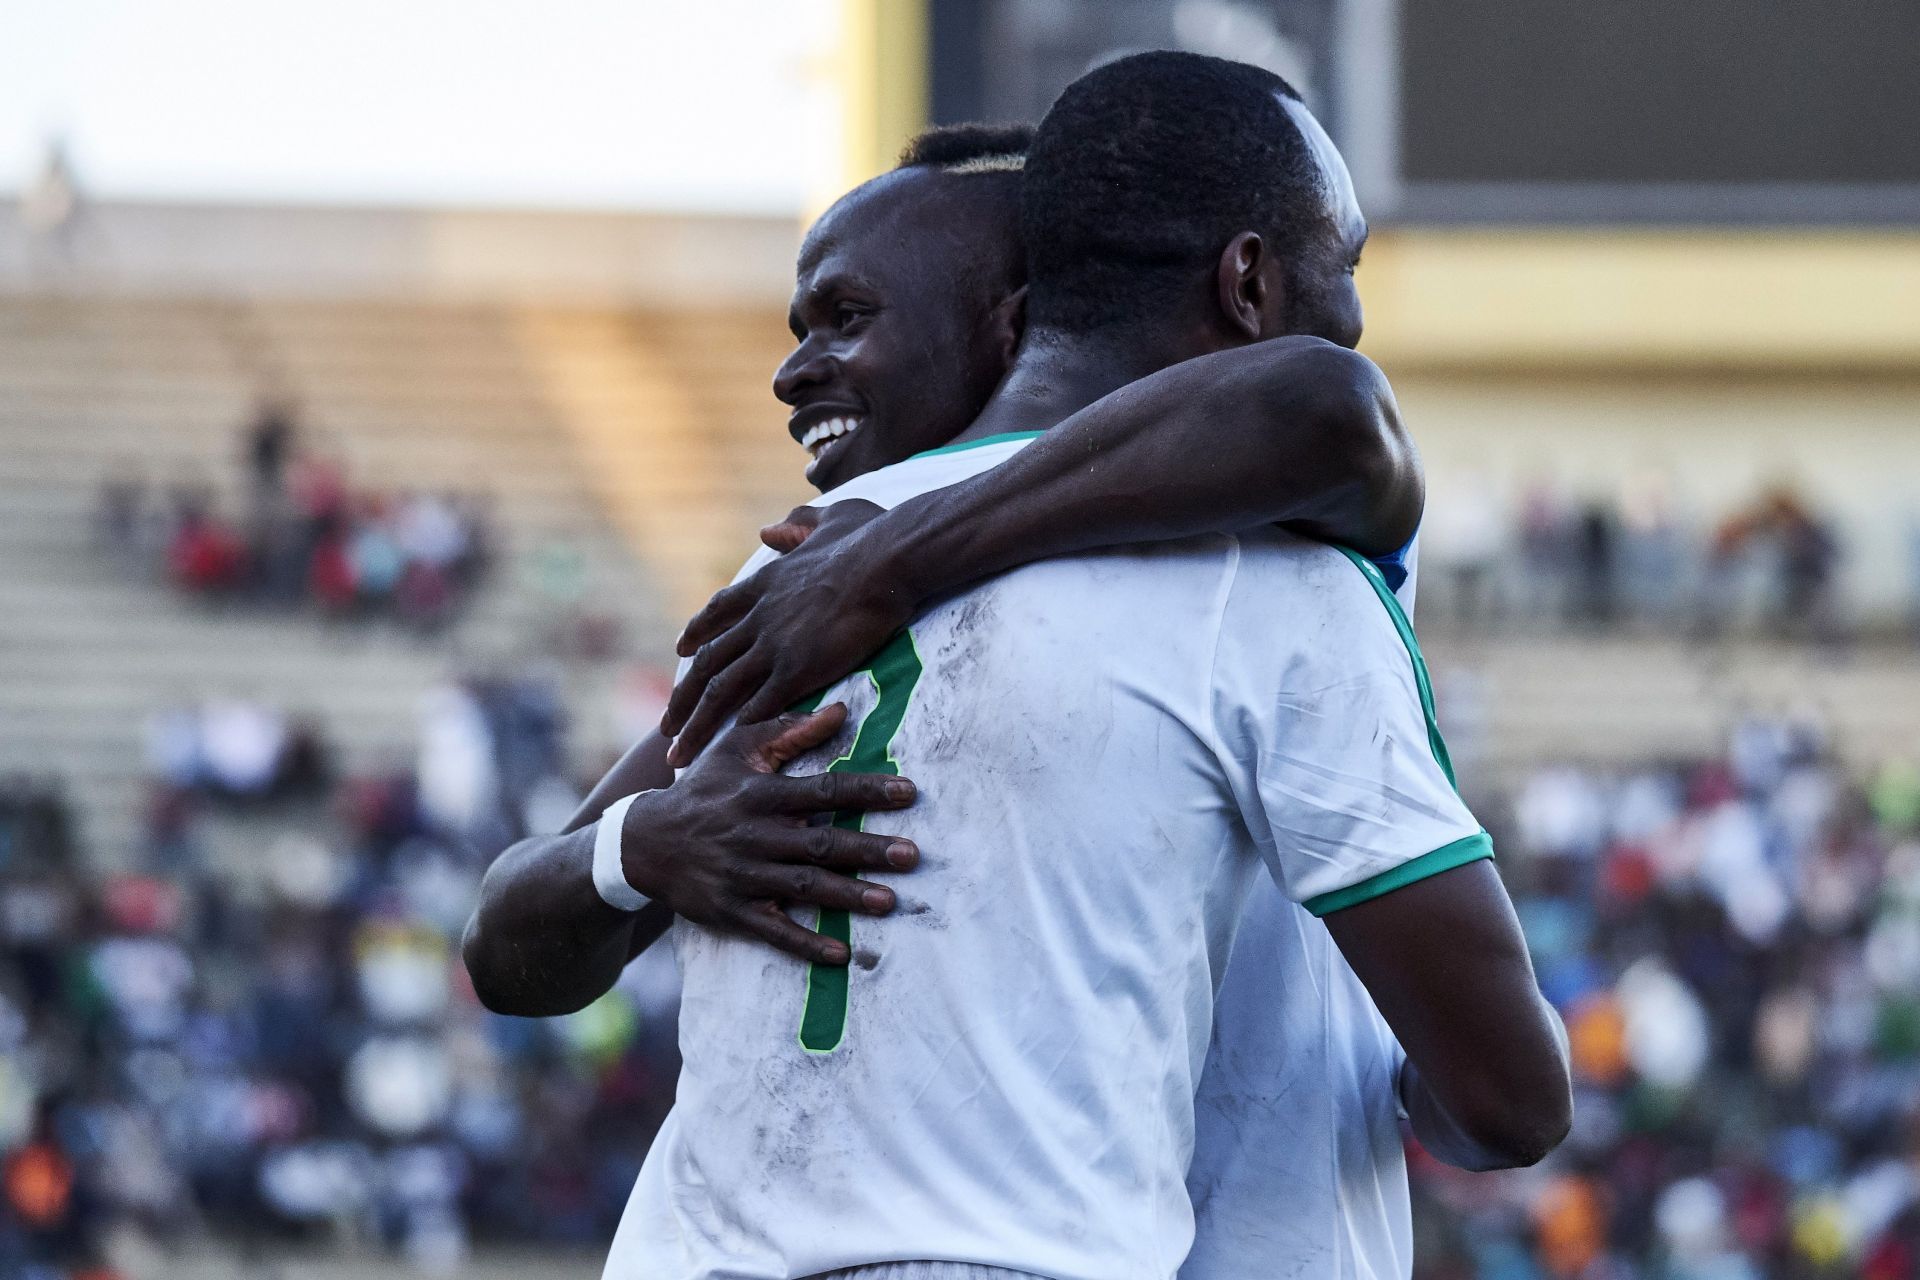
(1294,432)
(542,942)
(1458,1142)
(1486,1082)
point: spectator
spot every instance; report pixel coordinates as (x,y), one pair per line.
(319,487)
(205,556)
(458,776)
(1781,533)
(310,536)
(265,1064)
(1629,559)
(271,437)
(1595,536)
(1745,1037)
(1463,542)
(35,833)
(1808,553)
(430,532)
(244,745)
(330,572)
(376,558)
(1546,550)
(1653,550)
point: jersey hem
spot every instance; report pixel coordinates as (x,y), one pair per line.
(1004,437)
(1448,856)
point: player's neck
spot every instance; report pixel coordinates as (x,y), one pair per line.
(1051,380)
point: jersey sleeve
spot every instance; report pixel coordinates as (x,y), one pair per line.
(1323,715)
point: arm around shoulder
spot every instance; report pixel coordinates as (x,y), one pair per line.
(1348,456)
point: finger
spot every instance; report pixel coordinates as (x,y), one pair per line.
(844,850)
(787,535)
(728,606)
(723,694)
(767,922)
(815,886)
(836,792)
(713,658)
(783,537)
(794,735)
(779,691)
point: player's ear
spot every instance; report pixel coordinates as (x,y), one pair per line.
(1006,323)
(1242,286)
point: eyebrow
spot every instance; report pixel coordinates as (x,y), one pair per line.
(839,280)
(835,283)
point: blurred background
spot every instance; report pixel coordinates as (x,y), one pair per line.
(381,385)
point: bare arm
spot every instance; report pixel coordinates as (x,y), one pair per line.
(1295,431)
(1486,1083)
(542,941)
(728,845)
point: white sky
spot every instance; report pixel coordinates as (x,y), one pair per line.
(664,104)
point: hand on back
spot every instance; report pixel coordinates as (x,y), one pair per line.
(799,624)
(733,841)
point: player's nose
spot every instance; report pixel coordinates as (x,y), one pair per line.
(808,368)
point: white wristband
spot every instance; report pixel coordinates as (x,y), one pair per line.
(609,877)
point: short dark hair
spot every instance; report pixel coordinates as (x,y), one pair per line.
(989,159)
(973,147)
(1144,170)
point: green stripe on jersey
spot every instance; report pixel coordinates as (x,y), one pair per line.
(1421,680)
(964,445)
(894,672)
(1448,856)
(1467,849)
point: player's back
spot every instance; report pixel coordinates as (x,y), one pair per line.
(1006,1073)
(995,1079)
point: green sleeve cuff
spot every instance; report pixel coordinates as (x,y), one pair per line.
(1445,858)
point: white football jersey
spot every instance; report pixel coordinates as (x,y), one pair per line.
(1109,747)
(1280,1189)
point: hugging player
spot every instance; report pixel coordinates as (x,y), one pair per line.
(1291,429)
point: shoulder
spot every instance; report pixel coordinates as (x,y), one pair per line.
(1172,591)
(1289,562)
(1291,593)
(1336,377)
(1173,566)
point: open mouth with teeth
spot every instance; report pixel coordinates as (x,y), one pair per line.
(822,434)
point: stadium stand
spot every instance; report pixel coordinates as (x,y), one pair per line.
(1512,701)
(569,422)
(646,443)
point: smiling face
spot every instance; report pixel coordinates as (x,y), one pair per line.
(899,309)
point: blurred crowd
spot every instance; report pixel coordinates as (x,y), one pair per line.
(236,749)
(1633,561)
(1735,947)
(278,1043)
(305,538)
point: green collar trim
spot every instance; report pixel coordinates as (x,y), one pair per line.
(1002,438)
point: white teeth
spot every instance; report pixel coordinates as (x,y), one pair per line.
(816,437)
